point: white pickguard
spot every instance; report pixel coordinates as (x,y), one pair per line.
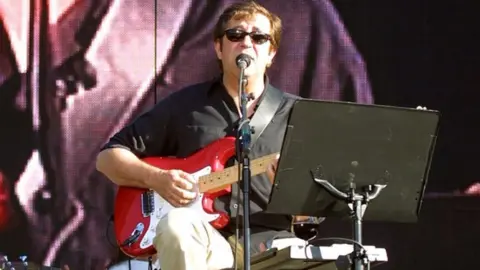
(162,208)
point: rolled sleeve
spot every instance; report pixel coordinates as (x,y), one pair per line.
(146,135)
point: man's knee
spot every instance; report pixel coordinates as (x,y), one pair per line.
(179,222)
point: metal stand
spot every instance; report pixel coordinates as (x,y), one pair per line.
(150,263)
(357,203)
(244,135)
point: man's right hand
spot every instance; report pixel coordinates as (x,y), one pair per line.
(175,186)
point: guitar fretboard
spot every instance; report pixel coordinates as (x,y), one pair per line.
(230,175)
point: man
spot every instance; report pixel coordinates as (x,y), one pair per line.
(190,119)
(48,181)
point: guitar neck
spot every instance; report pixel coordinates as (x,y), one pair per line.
(230,175)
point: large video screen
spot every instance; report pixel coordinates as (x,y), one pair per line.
(73,72)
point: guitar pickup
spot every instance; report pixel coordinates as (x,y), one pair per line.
(148,203)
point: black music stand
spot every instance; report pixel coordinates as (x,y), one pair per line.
(339,157)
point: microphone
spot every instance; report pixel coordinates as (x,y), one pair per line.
(243,60)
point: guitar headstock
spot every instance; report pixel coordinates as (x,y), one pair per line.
(23,264)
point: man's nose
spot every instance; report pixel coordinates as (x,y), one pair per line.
(247,41)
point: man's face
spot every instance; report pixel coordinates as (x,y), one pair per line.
(235,42)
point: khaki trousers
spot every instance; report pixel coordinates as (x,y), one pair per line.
(185,242)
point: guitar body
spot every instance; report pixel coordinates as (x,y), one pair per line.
(137,211)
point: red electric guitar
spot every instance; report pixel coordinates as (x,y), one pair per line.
(138,211)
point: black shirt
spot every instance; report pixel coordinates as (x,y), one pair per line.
(190,119)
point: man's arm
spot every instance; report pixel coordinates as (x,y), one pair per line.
(124,168)
(120,159)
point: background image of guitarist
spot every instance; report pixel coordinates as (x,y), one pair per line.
(193,118)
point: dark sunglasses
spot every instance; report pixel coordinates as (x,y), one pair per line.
(237,35)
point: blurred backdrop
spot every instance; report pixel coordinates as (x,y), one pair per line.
(72,72)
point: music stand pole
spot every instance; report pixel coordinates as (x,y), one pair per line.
(358,203)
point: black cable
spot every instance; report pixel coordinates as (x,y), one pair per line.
(107,232)
(339,239)
(150,267)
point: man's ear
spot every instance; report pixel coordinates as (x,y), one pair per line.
(271,55)
(218,48)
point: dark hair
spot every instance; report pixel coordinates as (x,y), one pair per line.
(246,10)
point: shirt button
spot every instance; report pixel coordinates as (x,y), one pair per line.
(235,206)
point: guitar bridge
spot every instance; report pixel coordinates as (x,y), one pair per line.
(148,203)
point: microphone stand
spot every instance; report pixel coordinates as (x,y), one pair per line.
(244,137)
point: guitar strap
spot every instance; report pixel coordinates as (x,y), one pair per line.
(265,111)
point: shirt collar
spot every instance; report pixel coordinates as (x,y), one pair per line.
(217,84)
